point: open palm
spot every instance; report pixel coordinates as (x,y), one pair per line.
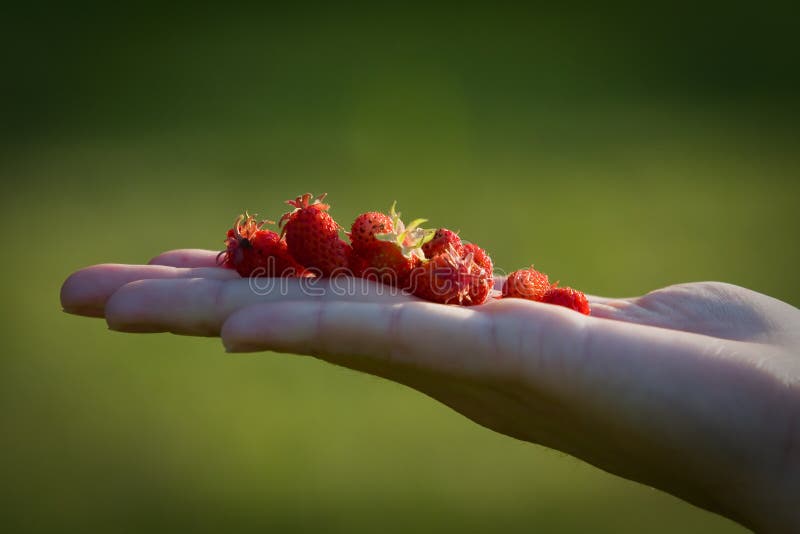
(694,389)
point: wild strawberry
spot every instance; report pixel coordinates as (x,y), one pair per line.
(385,249)
(366,225)
(385,262)
(253,251)
(358,264)
(480,292)
(313,236)
(452,278)
(479,255)
(568,297)
(526,284)
(440,242)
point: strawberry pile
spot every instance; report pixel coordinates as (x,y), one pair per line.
(433,265)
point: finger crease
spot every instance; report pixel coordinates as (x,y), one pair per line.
(217,312)
(493,336)
(395,341)
(315,345)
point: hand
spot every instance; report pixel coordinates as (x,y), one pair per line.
(693,389)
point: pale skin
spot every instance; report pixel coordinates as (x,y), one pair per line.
(693,389)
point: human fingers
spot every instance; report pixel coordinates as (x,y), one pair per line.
(198,306)
(609,369)
(86,291)
(474,340)
(508,336)
(187,257)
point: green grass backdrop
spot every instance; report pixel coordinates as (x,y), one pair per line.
(618,151)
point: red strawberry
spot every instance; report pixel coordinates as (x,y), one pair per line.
(253,251)
(441,241)
(385,249)
(313,236)
(568,297)
(479,292)
(358,264)
(526,284)
(365,227)
(385,262)
(479,255)
(452,278)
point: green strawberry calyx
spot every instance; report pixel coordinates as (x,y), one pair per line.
(410,237)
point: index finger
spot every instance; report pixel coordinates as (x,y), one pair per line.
(86,291)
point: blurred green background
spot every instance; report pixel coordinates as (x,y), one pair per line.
(620,151)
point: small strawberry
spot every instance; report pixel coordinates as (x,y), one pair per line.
(366,225)
(480,292)
(526,284)
(253,251)
(385,249)
(452,278)
(358,264)
(313,236)
(479,255)
(440,242)
(567,297)
(385,262)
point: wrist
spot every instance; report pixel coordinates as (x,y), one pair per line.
(768,502)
